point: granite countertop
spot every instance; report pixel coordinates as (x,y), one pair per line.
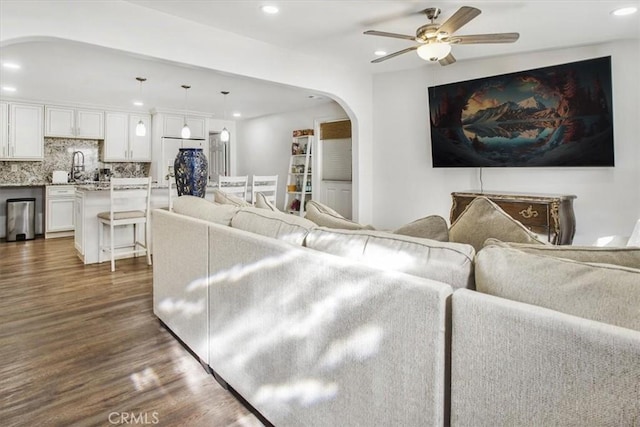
(86,185)
(105,186)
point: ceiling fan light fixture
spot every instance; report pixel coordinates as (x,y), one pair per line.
(434,51)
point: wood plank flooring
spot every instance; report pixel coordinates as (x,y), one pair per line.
(80,345)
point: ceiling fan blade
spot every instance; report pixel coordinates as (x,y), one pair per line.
(384,34)
(458,19)
(394,54)
(447,60)
(484,38)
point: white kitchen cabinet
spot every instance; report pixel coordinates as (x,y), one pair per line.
(78,220)
(22,134)
(90,124)
(4,129)
(121,144)
(60,201)
(173,126)
(66,122)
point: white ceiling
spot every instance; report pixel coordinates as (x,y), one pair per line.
(77,73)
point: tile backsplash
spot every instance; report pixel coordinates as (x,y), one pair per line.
(57,156)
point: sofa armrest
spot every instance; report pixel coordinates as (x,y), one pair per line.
(309,338)
(519,364)
(180,271)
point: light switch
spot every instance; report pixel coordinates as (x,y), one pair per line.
(14,168)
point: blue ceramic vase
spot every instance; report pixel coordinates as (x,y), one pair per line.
(191,171)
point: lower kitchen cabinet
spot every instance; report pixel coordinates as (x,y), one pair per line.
(60,211)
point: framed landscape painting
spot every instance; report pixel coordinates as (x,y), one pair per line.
(552,116)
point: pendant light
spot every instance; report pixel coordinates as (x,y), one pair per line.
(141,129)
(186,132)
(224,135)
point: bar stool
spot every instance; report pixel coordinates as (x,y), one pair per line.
(130,205)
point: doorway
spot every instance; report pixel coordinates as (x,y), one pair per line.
(219,157)
(333,163)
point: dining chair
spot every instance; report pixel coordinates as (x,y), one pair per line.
(130,206)
(234,185)
(265,184)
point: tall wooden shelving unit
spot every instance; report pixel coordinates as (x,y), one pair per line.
(299,190)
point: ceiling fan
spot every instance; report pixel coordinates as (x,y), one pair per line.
(435,40)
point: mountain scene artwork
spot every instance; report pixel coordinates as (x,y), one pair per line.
(552,116)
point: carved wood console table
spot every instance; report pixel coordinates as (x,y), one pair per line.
(547,214)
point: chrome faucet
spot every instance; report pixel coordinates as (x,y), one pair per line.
(76,166)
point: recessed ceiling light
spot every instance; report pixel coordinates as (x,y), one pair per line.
(11,65)
(625,11)
(379,53)
(138,103)
(8,89)
(237,114)
(270,9)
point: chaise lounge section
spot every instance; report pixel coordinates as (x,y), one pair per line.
(376,336)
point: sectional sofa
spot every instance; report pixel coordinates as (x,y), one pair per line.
(317,326)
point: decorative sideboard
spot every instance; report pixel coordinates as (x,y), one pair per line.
(548,214)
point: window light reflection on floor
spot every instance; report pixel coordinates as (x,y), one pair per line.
(145,380)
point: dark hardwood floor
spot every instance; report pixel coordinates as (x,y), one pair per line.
(80,345)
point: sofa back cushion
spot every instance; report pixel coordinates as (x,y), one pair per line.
(200,208)
(602,292)
(451,263)
(622,256)
(324,216)
(432,227)
(282,226)
(483,219)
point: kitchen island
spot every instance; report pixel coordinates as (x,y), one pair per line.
(95,198)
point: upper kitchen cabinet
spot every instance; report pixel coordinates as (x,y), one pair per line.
(173,125)
(66,122)
(121,144)
(22,134)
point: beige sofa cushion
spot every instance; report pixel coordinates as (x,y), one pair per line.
(601,292)
(324,216)
(263,203)
(430,227)
(200,208)
(623,256)
(223,198)
(483,219)
(451,263)
(279,225)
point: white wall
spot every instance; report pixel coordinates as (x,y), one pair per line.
(264,143)
(407,187)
